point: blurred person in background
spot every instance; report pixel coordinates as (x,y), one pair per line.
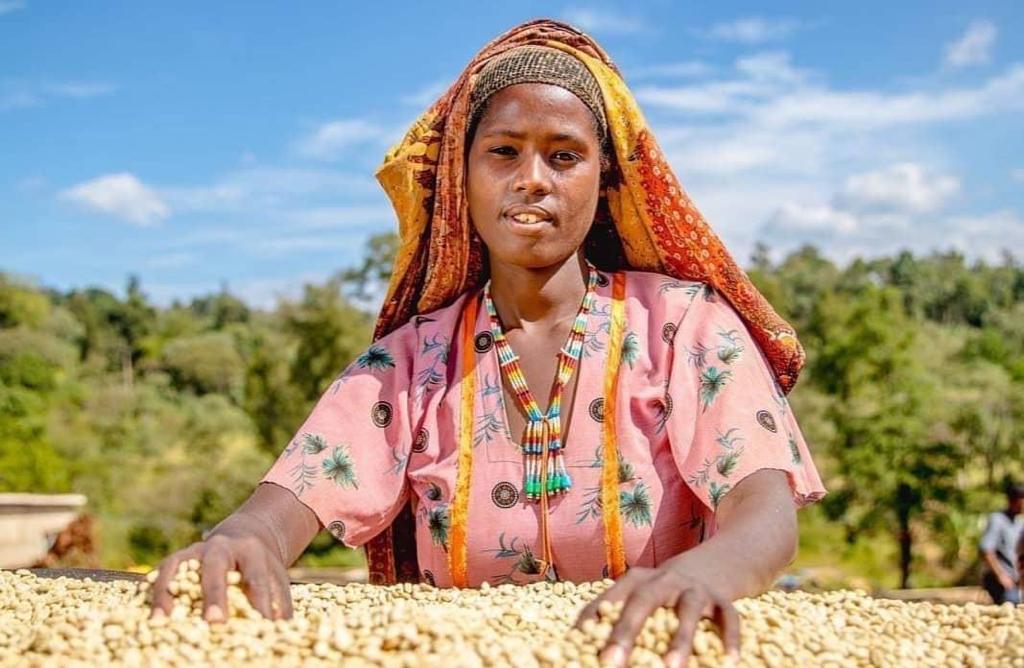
(1000,548)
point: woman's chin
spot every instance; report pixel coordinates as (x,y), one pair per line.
(531,259)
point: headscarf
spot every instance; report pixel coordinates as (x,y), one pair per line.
(645,222)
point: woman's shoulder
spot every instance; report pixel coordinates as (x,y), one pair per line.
(655,289)
(441,319)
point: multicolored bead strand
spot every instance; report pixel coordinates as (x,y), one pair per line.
(543,434)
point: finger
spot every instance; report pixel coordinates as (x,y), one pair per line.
(256,584)
(635,611)
(168,568)
(689,610)
(728,621)
(252,564)
(281,599)
(619,591)
(214,574)
(257,588)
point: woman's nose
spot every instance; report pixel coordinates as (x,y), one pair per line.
(533,175)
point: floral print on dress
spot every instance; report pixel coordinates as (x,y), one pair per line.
(435,350)
(339,468)
(377,358)
(733,384)
(590,506)
(519,558)
(630,349)
(438,522)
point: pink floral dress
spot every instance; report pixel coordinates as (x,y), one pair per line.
(698,410)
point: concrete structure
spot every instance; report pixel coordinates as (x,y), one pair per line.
(29,523)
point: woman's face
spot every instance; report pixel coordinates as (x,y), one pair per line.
(533,175)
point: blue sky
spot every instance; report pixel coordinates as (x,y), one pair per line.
(199,143)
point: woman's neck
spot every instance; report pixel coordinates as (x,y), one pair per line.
(538,300)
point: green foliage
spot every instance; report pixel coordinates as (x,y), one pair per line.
(366,282)
(21,303)
(912,402)
(204,363)
(329,332)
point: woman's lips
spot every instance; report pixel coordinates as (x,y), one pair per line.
(526,228)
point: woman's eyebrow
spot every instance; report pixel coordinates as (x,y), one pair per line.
(515,134)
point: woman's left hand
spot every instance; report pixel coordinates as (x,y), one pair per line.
(687,588)
(757,517)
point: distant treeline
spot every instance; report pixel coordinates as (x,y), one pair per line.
(912,399)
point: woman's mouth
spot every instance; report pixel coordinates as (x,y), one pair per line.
(527,223)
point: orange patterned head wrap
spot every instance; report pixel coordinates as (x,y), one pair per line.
(653,223)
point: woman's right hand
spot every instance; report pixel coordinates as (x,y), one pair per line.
(264,576)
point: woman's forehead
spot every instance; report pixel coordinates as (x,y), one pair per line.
(531,108)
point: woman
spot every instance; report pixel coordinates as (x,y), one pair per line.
(545,243)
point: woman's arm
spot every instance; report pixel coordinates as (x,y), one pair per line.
(281,519)
(755,541)
(260,540)
(756,538)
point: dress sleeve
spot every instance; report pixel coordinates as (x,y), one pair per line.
(347,462)
(734,419)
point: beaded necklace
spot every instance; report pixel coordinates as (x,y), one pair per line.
(615,556)
(542,440)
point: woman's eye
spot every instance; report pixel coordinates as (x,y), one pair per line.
(503,150)
(565,156)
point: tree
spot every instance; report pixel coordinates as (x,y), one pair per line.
(271,399)
(366,283)
(221,309)
(894,470)
(329,331)
(205,363)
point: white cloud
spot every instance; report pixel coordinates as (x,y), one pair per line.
(428,94)
(904,187)
(170,261)
(753,30)
(772,93)
(294,244)
(762,77)
(331,140)
(974,47)
(18,99)
(733,150)
(792,218)
(266,293)
(604,21)
(339,217)
(31,184)
(260,293)
(80,90)
(121,195)
(20,95)
(882,211)
(985,235)
(771,66)
(8,6)
(770,150)
(258,189)
(688,68)
(843,235)
(871,109)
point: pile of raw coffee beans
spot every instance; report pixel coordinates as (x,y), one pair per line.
(81,622)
